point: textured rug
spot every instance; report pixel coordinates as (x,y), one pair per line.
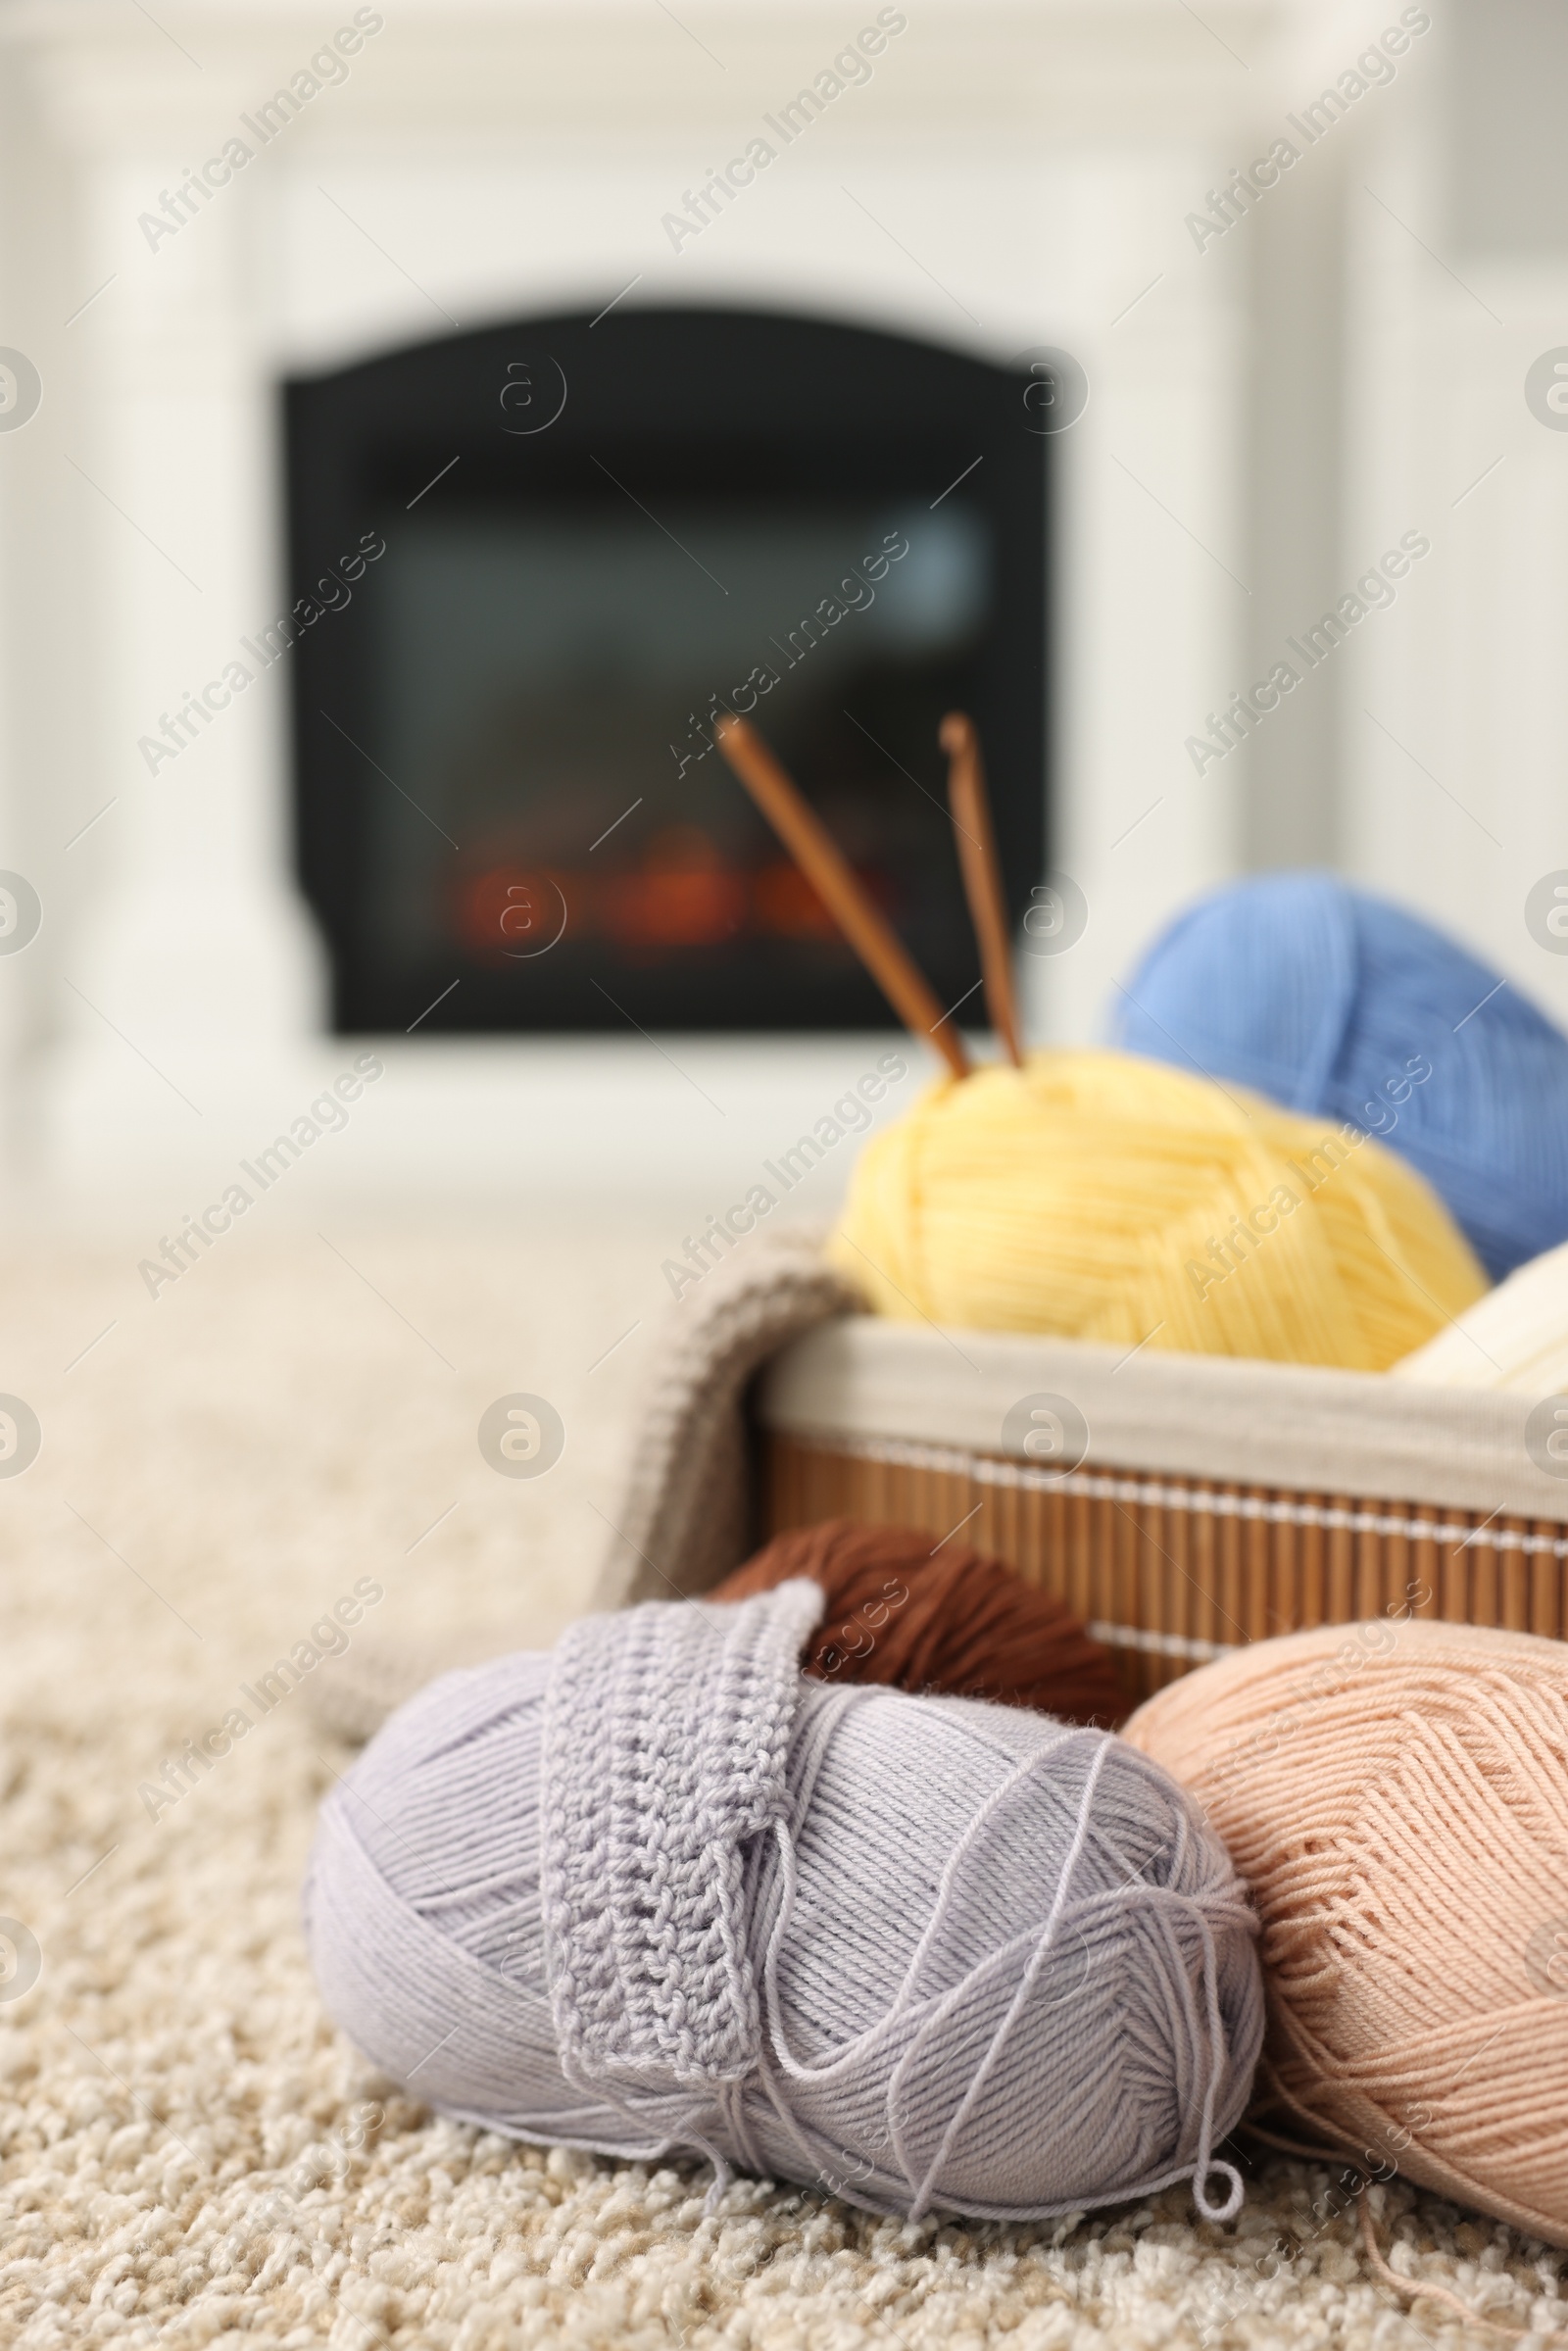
(189,2153)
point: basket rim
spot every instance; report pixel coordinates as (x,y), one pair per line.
(1301,1428)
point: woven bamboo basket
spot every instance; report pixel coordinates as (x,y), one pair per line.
(1215,1503)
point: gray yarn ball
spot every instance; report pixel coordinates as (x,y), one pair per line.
(659,1892)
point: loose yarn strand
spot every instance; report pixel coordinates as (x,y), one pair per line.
(1206,2160)
(786,1911)
(1416,2289)
(1209,2027)
(1042,1941)
(1026,1981)
(942,1907)
(941,1911)
(688,2128)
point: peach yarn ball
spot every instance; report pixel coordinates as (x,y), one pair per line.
(1395,1797)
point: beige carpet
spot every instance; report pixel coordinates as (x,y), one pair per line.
(190,2154)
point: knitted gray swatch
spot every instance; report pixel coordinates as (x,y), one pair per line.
(667,1734)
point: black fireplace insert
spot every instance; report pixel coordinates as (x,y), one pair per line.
(529,566)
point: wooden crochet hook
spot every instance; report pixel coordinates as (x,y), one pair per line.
(831,875)
(982,878)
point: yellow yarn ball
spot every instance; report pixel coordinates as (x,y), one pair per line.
(1101,1196)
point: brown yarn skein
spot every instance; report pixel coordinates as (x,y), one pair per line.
(951,1622)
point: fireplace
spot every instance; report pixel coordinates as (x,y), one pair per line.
(531,564)
(993,188)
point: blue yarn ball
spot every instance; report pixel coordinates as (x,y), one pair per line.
(1333,1003)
